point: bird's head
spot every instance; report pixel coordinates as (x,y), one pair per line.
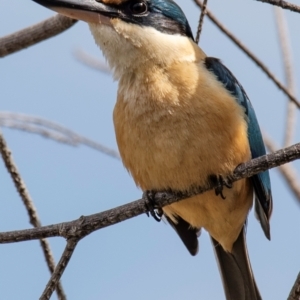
(133,32)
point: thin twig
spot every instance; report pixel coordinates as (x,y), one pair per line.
(287,171)
(87,224)
(60,268)
(295,292)
(34,34)
(285,46)
(51,266)
(29,205)
(51,130)
(91,61)
(200,24)
(258,62)
(283,4)
(46,133)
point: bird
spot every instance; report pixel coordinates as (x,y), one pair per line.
(182,120)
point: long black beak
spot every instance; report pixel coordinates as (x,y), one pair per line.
(89,11)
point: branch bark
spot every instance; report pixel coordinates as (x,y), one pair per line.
(34,34)
(295,292)
(60,268)
(87,224)
(283,4)
(201,19)
(29,205)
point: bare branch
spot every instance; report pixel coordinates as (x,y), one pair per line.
(32,212)
(19,183)
(287,171)
(295,292)
(51,266)
(91,61)
(51,130)
(85,225)
(283,4)
(37,130)
(60,268)
(285,45)
(34,34)
(258,62)
(200,24)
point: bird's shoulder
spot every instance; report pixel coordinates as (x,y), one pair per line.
(225,76)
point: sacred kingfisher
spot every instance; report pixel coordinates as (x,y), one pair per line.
(182,120)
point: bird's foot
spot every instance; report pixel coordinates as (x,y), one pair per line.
(156,212)
(220,181)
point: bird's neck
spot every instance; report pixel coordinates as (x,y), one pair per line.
(132,50)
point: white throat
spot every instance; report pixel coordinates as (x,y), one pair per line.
(127,46)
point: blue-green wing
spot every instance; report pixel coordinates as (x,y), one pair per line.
(261,181)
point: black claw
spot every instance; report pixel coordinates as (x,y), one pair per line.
(220,181)
(227,182)
(220,192)
(156,213)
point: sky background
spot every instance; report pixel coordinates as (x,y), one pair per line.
(139,258)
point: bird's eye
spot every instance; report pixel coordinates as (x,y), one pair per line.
(138,8)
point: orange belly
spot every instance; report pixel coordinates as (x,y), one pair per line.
(176,139)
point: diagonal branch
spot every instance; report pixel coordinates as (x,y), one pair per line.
(29,205)
(34,34)
(87,224)
(295,292)
(258,62)
(60,268)
(283,4)
(201,19)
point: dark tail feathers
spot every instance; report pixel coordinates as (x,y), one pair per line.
(236,272)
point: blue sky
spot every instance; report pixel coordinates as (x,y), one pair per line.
(139,258)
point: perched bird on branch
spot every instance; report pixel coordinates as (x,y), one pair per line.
(182,120)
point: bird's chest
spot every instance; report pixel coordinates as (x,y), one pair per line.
(177,135)
(166,146)
(148,141)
